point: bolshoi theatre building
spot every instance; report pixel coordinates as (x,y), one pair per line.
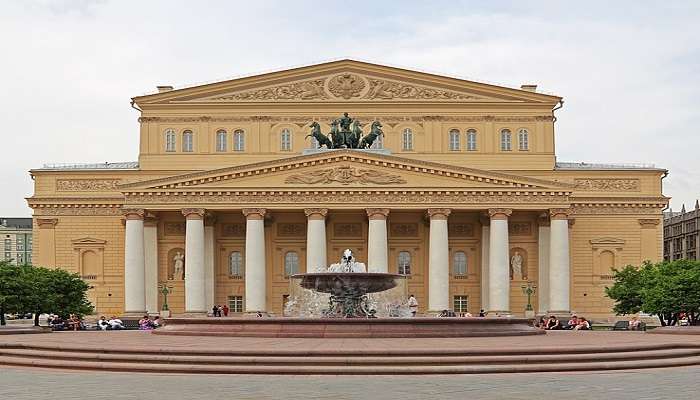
(240,184)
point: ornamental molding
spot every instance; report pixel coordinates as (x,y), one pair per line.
(438,213)
(45,223)
(305,120)
(607,184)
(84,211)
(502,213)
(483,199)
(607,241)
(304,90)
(378,213)
(620,208)
(88,242)
(649,222)
(347,86)
(254,213)
(134,213)
(559,213)
(193,213)
(86,185)
(384,89)
(345,175)
(316,212)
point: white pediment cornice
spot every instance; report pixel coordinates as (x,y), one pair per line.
(344,167)
(346,81)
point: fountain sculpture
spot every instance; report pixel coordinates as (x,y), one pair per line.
(346,290)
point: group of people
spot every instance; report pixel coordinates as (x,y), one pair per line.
(72,323)
(220,311)
(147,324)
(553,324)
(112,324)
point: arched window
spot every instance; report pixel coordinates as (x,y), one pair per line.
(506,140)
(238,140)
(286,140)
(221,140)
(404,263)
(187,141)
(170,140)
(407,139)
(459,264)
(291,263)
(378,143)
(523,140)
(454,140)
(471,140)
(235,264)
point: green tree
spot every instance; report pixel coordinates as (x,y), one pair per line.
(10,287)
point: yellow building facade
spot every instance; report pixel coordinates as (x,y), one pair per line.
(462,194)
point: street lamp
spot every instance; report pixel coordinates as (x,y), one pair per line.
(529,290)
(165,290)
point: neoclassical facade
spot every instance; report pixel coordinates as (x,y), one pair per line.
(462,194)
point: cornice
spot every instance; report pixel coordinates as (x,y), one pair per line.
(335,156)
(304,120)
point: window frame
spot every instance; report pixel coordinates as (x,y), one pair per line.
(221,141)
(407,139)
(453,140)
(523,138)
(506,140)
(460,303)
(401,266)
(286,144)
(471,140)
(230,266)
(291,264)
(170,140)
(238,140)
(187,141)
(235,304)
(455,272)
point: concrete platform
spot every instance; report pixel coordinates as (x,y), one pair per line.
(349,327)
(141,351)
(677,330)
(19,329)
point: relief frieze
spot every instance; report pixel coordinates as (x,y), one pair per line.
(233,230)
(174,228)
(461,230)
(607,184)
(86,185)
(520,228)
(305,90)
(403,230)
(383,89)
(345,175)
(290,230)
(347,230)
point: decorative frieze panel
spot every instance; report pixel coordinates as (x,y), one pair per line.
(86,185)
(607,184)
(516,228)
(305,90)
(233,230)
(403,230)
(174,228)
(291,230)
(304,120)
(86,211)
(345,175)
(461,230)
(382,89)
(347,230)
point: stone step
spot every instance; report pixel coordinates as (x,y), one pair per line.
(519,367)
(346,360)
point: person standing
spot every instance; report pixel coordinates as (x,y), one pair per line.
(413,305)
(226,310)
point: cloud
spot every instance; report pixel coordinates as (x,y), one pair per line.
(627,71)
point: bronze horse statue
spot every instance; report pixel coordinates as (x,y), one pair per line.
(320,137)
(375,132)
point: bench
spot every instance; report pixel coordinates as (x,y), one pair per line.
(625,326)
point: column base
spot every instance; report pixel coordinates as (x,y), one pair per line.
(498,314)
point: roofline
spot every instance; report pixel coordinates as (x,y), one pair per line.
(136,99)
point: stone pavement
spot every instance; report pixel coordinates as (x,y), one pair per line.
(677,383)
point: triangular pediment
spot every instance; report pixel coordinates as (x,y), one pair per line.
(346,81)
(342,169)
(86,241)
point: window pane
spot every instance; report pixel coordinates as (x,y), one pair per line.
(460,264)
(187,141)
(471,140)
(235,304)
(291,263)
(221,140)
(169,140)
(235,264)
(238,140)
(286,140)
(461,304)
(523,139)
(404,261)
(505,140)
(454,140)
(407,139)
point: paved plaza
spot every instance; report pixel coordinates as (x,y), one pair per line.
(677,383)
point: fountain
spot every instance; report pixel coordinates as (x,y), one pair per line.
(344,301)
(347,290)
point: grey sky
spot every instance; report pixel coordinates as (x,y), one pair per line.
(629,71)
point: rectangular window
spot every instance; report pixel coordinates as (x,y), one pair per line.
(20,258)
(471,140)
(29,258)
(8,245)
(29,243)
(8,256)
(461,304)
(235,303)
(20,243)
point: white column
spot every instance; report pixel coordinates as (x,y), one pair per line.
(499,272)
(559,268)
(255,281)
(377,246)
(195,298)
(134,263)
(543,266)
(485,225)
(316,239)
(150,244)
(209,272)
(438,261)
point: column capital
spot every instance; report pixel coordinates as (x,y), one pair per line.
(543,219)
(559,213)
(316,213)
(438,213)
(133,213)
(500,213)
(254,213)
(377,213)
(193,213)
(46,223)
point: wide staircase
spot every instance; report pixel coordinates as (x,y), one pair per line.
(351,361)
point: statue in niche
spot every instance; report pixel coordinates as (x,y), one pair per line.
(516,266)
(178,266)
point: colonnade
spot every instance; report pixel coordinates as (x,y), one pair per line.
(140,265)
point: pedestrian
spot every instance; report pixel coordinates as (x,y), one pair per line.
(482,313)
(413,305)
(226,310)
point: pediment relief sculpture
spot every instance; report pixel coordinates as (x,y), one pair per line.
(348,86)
(345,175)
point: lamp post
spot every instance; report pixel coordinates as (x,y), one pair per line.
(529,290)
(165,290)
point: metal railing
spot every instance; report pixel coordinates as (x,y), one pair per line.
(585,165)
(106,165)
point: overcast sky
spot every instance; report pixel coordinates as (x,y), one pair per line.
(629,72)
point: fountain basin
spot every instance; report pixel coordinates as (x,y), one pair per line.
(419,327)
(334,282)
